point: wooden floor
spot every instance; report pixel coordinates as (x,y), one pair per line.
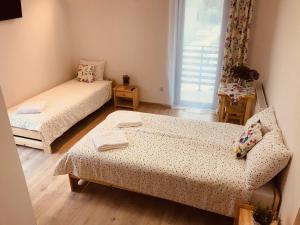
(55,204)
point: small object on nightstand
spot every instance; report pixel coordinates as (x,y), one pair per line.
(126,80)
(126,96)
(245,216)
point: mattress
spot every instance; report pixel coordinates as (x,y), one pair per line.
(66,104)
(186,161)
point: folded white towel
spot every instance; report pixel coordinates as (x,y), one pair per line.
(108,140)
(125,119)
(31,107)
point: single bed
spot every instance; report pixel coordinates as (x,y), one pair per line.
(66,105)
(186,161)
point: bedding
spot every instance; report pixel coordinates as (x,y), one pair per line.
(186,161)
(266,159)
(266,117)
(67,104)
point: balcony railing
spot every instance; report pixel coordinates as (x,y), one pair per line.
(199,65)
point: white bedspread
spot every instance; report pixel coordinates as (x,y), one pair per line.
(186,161)
(66,104)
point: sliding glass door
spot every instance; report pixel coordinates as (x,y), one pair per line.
(199,51)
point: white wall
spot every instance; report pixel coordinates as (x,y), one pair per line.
(275,52)
(131,35)
(34,50)
(15,205)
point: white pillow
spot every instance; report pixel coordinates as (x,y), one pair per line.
(31,107)
(267,119)
(266,159)
(99,65)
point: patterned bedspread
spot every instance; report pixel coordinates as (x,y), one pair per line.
(190,162)
(66,104)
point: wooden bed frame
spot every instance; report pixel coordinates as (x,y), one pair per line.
(28,138)
(78,184)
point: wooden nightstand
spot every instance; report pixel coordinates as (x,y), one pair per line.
(246,95)
(126,96)
(244,216)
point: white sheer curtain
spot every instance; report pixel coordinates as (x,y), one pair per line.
(222,45)
(173,42)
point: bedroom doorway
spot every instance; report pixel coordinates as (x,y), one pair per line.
(199,47)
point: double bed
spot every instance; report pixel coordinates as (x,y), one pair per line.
(186,161)
(66,105)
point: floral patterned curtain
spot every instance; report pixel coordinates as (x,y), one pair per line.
(237,36)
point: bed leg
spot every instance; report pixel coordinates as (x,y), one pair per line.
(277,198)
(76,184)
(73,183)
(48,149)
